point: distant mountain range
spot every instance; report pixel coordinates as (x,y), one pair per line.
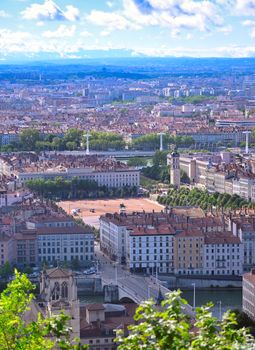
(81,55)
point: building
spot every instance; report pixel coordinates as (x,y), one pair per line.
(188,252)
(175,173)
(222,254)
(65,244)
(58,292)
(105,172)
(151,249)
(100,321)
(243,227)
(172,242)
(249,294)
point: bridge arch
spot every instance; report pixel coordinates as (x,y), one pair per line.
(127,300)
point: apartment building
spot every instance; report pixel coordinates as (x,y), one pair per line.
(222,254)
(151,249)
(188,252)
(7,248)
(26,248)
(249,294)
(114,237)
(65,244)
(243,227)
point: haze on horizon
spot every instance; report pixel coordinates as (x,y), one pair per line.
(77,29)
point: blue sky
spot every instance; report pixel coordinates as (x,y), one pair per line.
(71,28)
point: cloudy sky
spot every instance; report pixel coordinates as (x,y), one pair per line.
(68,28)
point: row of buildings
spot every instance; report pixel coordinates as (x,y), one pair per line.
(35,234)
(223,172)
(104,171)
(183,241)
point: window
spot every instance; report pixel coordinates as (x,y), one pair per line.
(64,290)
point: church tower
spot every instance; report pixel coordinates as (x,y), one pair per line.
(58,292)
(175,174)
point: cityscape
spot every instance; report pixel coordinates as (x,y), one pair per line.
(127,175)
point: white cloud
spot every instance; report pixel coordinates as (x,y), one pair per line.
(4,14)
(225,29)
(245,7)
(173,14)
(110,4)
(85,34)
(50,11)
(111,21)
(62,31)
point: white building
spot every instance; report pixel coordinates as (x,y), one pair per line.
(222,254)
(65,244)
(249,294)
(151,249)
(114,237)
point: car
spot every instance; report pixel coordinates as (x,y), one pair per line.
(90,271)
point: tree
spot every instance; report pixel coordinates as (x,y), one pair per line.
(167,327)
(28,139)
(43,334)
(6,270)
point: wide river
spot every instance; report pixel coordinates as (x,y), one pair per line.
(224,299)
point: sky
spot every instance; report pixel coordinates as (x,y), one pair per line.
(72,28)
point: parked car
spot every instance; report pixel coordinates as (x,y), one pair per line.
(90,271)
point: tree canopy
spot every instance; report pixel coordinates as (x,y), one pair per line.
(167,327)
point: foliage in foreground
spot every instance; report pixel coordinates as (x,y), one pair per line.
(185,196)
(168,328)
(42,334)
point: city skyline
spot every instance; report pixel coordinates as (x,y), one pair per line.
(37,29)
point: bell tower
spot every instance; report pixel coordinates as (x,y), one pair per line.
(175,174)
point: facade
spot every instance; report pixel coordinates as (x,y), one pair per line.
(151,249)
(188,252)
(26,248)
(249,294)
(58,292)
(222,254)
(116,178)
(114,238)
(65,244)
(243,227)
(168,242)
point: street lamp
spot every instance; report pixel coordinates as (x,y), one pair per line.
(194,295)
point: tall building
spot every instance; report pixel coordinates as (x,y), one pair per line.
(248,293)
(175,174)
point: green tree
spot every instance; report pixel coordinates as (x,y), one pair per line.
(167,327)
(28,139)
(6,270)
(41,334)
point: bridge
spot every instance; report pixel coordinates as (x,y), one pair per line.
(131,286)
(115,154)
